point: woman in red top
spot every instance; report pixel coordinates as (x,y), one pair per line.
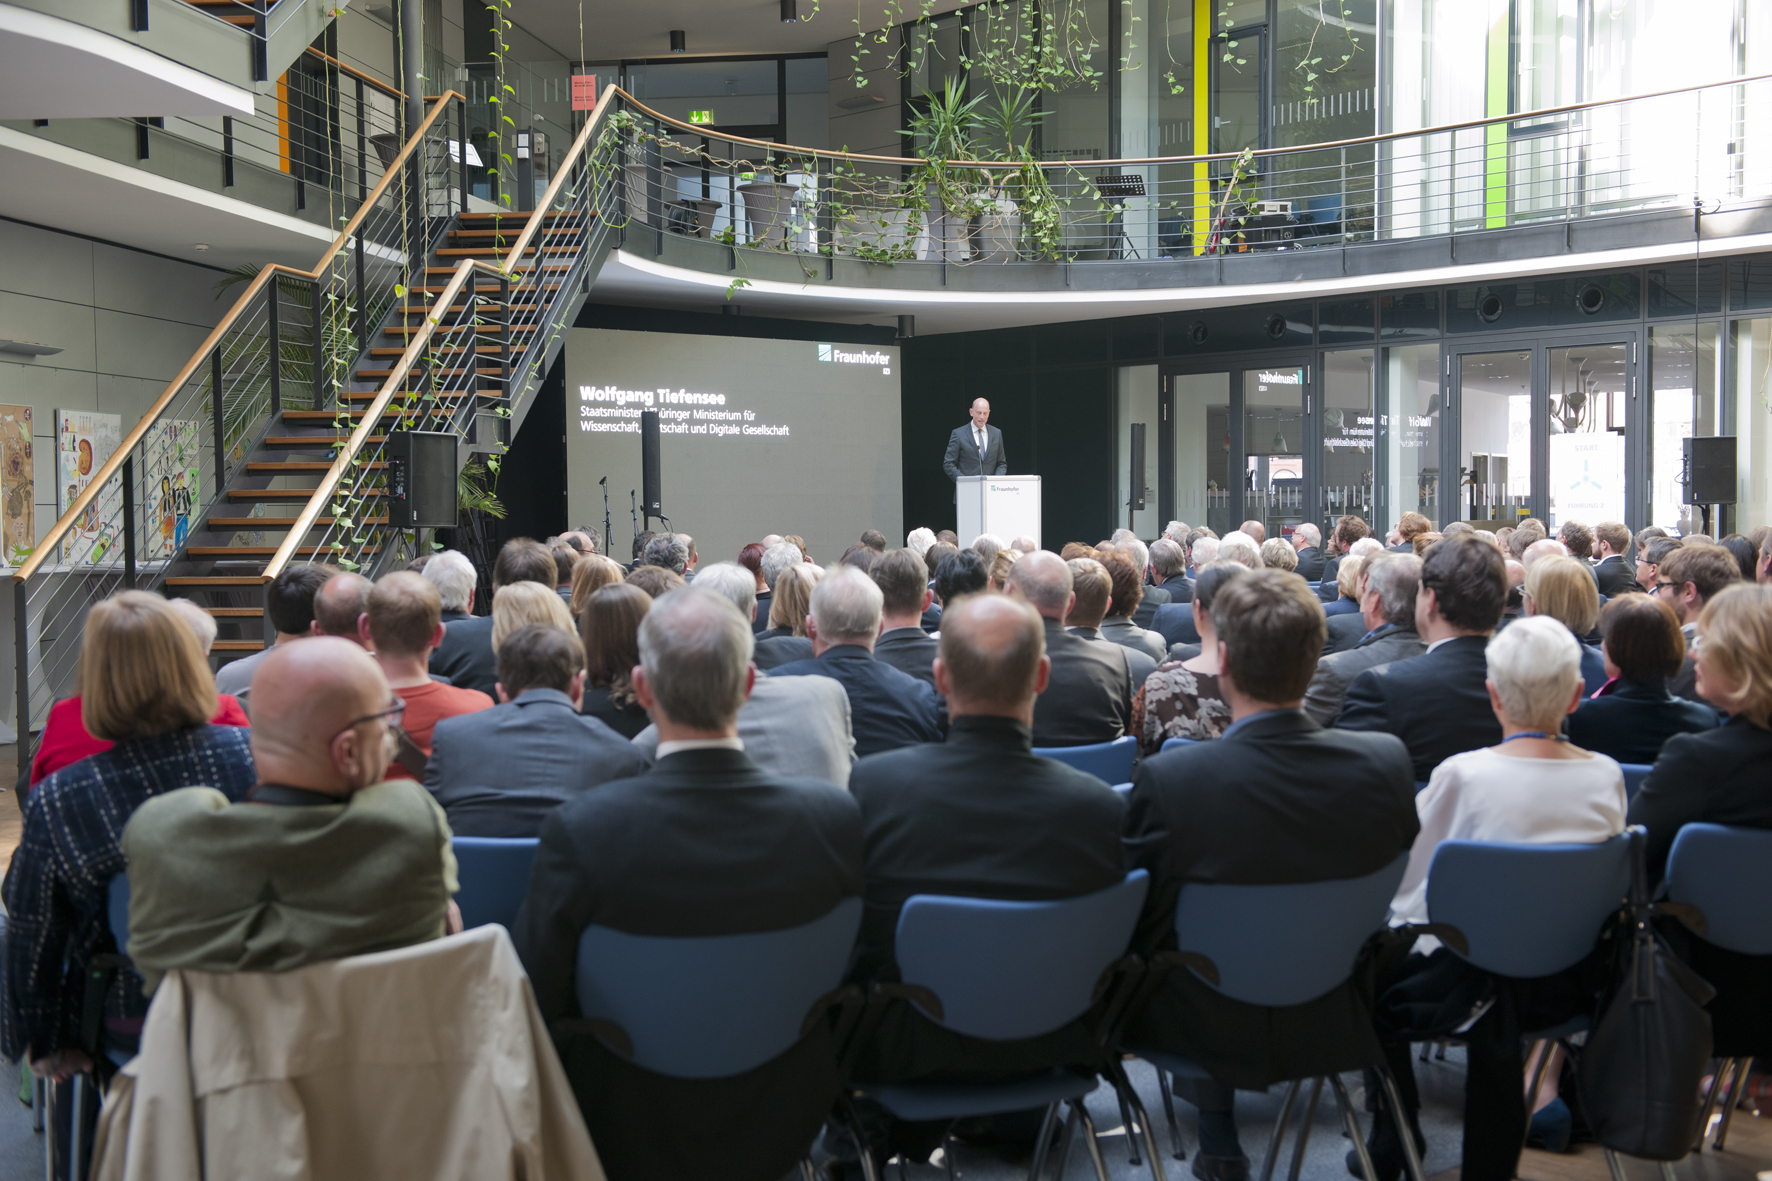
(65,739)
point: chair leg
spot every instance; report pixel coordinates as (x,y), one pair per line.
(904,1168)
(1353,1126)
(1273,1145)
(1036,1171)
(1616,1168)
(863,1154)
(806,1170)
(1440,1053)
(1145,1130)
(1425,1047)
(1724,1066)
(1126,1119)
(1101,1171)
(50,1157)
(74,1145)
(1169,1113)
(1394,1099)
(947,1156)
(1667,1171)
(1733,1096)
(36,1102)
(1304,1131)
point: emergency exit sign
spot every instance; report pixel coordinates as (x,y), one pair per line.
(706,117)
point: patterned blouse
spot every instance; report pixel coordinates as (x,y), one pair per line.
(1177,702)
(57,888)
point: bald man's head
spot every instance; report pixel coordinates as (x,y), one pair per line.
(1544,548)
(990,657)
(340,603)
(305,698)
(1044,581)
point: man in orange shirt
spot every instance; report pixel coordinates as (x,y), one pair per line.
(404,621)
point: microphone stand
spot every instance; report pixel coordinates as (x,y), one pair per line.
(605,482)
(634,511)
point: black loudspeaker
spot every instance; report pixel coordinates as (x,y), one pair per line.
(1137,501)
(651,499)
(421,479)
(1710,470)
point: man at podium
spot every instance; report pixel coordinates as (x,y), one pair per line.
(977,448)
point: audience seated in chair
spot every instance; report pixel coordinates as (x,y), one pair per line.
(1531,787)
(1182,698)
(1055,834)
(1348,530)
(289,605)
(325,857)
(403,626)
(1388,585)
(794,727)
(610,628)
(1436,703)
(466,656)
(1563,589)
(1347,627)
(707,843)
(1127,595)
(1278,799)
(1686,580)
(1306,542)
(1088,698)
(145,688)
(1093,589)
(498,772)
(903,580)
(786,640)
(1613,571)
(1633,715)
(887,708)
(339,605)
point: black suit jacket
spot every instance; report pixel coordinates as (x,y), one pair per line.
(1278,800)
(499,772)
(978,816)
(1089,696)
(778,646)
(1328,590)
(1722,776)
(932,618)
(1635,719)
(706,844)
(466,655)
(1310,563)
(888,709)
(1345,632)
(1436,703)
(909,650)
(1152,598)
(1616,576)
(963,457)
(760,620)
(1175,623)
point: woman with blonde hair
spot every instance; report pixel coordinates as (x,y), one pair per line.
(1347,585)
(792,601)
(610,628)
(1277,553)
(1001,565)
(1563,589)
(146,687)
(591,573)
(524,603)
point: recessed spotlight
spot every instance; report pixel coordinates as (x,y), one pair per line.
(679,41)
(789,12)
(200,246)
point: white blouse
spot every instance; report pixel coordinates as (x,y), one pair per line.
(1482,795)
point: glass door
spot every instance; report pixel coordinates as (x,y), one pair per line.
(1587,394)
(1494,437)
(1274,447)
(1239,89)
(1347,467)
(1194,483)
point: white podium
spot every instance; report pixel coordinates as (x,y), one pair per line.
(1007,506)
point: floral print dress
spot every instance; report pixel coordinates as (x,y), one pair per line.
(1177,702)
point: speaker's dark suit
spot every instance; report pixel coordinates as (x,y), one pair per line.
(1436,703)
(499,772)
(465,656)
(1310,563)
(909,650)
(888,709)
(706,844)
(979,816)
(1175,622)
(964,458)
(1615,576)
(1277,800)
(1634,720)
(1089,696)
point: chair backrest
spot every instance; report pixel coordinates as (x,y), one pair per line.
(494,877)
(117,910)
(1110,762)
(1177,743)
(1717,869)
(1528,910)
(1011,970)
(1633,777)
(1284,945)
(717,1005)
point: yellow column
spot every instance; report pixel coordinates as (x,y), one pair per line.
(1202,121)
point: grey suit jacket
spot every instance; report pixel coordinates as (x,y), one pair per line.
(1124,632)
(499,772)
(792,727)
(1141,663)
(1328,688)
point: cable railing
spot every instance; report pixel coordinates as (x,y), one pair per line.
(290,340)
(1646,153)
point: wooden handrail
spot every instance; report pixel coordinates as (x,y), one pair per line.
(304,520)
(41,551)
(359,75)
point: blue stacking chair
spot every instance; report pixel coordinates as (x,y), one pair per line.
(1716,871)
(494,877)
(1633,777)
(1274,946)
(1110,762)
(713,1006)
(1006,971)
(1170,744)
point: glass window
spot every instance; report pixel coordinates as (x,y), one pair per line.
(1348,434)
(737,93)
(1683,402)
(1076,123)
(1135,401)
(1201,413)
(1344,321)
(1414,313)
(1273,448)
(1495,436)
(1586,393)
(1411,432)
(1750,354)
(808,102)
(1325,71)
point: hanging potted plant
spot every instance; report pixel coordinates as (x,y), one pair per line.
(943,129)
(1000,215)
(768,205)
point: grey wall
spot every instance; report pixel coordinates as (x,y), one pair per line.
(125,321)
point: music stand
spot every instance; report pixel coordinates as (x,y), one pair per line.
(1118,187)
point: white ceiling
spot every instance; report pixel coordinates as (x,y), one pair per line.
(625,29)
(52,68)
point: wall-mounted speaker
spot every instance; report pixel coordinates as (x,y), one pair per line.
(1489,307)
(1710,470)
(1276,327)
(421,476)
(1590,299)
(651,499)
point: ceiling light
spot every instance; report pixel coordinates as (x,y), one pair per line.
(29,348)
(789,14)
(200,247)
(679,41)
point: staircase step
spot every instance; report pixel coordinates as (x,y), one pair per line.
(478,252)
(479,288)
(275,468)
(250,524)
(509,234)
(235,612)
(316,440)
(211,580)
(237,645)
(379,375)
(482,350)
(485,305)
(518,269)
(260,551)
(479,329)
(514,215)
(332,415)
(284,493)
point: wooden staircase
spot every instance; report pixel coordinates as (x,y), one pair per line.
(235,12)
(222,565)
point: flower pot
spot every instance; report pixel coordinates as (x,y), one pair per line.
(946,237)
(999,232)
(872,230)
(768,211)
(636,190)
(695,218)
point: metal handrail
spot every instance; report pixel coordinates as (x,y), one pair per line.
(102,477)
(397,375)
